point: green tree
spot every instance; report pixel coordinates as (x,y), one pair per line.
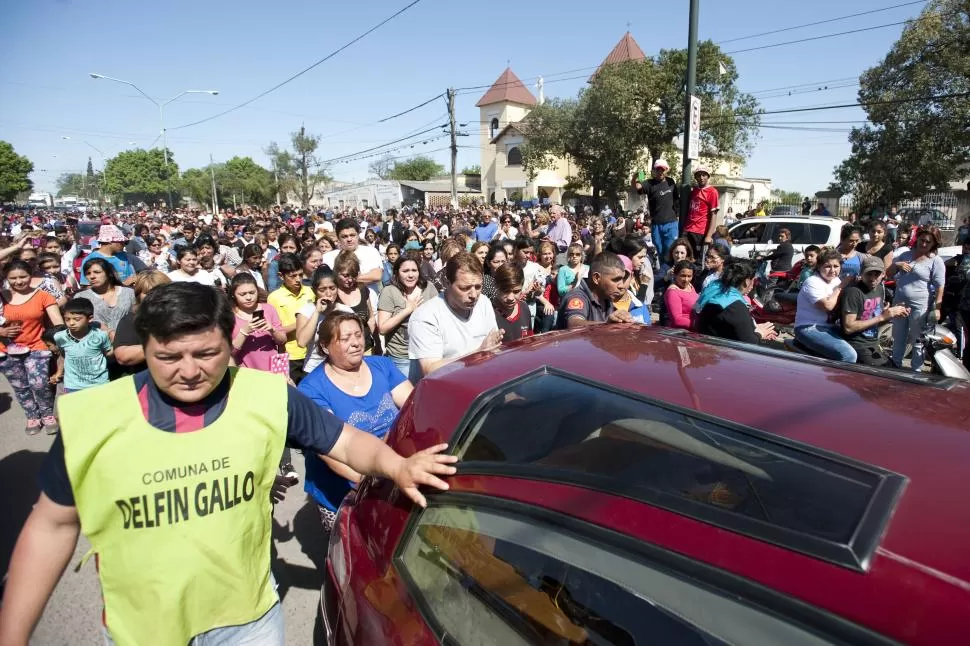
(142,176)
(15,173)
(284,171)
(472,170)
(197,184)
(252,183)
(70,184)
(914,143)
(307,165)
(633,111)
(382,166)
(298,172)
(416,169)
(92,185)
(786,197)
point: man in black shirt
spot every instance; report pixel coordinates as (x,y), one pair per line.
(782,256)
(663,200)
(591,301)
(863,312)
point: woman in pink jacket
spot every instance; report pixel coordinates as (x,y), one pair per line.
(681,296)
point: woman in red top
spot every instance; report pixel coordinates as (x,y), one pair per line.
(27,362)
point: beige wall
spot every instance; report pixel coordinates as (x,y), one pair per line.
(493,159)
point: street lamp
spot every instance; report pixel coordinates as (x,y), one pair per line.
(161,115)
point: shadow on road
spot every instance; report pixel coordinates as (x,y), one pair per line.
(308,532)
(5,401)
(18,482)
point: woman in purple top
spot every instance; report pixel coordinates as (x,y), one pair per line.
(257,333)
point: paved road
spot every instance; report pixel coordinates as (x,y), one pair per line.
(73,615)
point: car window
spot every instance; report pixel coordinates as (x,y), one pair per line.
(748,481)
(800,232)
(748,232)
(488,578)
(819,234)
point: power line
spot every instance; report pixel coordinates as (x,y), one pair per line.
(820,22)
(937,97)
(305,70)
(802,85)
(776,31)
(784,94)
(420,105)
(822,37)
(385,145)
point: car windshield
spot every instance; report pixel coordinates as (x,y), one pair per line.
(586,434)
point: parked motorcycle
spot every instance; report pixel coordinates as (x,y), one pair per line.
(939,344)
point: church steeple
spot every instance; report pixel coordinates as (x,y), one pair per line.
(508,88)
(625,50)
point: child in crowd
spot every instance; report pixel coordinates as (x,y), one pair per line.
(84,350)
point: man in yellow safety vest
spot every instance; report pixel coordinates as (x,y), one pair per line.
(169,472)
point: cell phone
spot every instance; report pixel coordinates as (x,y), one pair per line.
(259,315)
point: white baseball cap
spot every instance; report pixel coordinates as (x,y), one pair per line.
(661,163)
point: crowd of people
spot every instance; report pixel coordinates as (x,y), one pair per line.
(346,311)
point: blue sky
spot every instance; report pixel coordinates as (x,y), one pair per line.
(243,48)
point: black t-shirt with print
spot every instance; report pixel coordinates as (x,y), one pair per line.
(866,306)
(663,200)
(516,326)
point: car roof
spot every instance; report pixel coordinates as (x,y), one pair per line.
(815,219)
(920,430)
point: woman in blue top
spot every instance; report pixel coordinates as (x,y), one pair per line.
(367,392)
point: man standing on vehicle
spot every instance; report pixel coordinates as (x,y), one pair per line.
(862,313)
(663,201)
(591,301)
(169,472)
(702,217)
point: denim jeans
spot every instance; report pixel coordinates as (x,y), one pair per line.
(827,341)
(663,238)
(403,364)
(909,330)
(265,631)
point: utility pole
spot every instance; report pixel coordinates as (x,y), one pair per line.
(685,187)
(454,147)
(215,199)
(276,178)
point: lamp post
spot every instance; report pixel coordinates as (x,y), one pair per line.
(685,186)
(161,117)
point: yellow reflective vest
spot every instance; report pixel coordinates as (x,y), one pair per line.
(180,522)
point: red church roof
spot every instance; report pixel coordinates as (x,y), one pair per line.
(508,88)
(626,50)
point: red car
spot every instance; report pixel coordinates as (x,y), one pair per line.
(635,485)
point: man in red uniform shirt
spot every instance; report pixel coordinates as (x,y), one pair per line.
(702,217)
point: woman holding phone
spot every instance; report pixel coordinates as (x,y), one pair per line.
(257,333)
